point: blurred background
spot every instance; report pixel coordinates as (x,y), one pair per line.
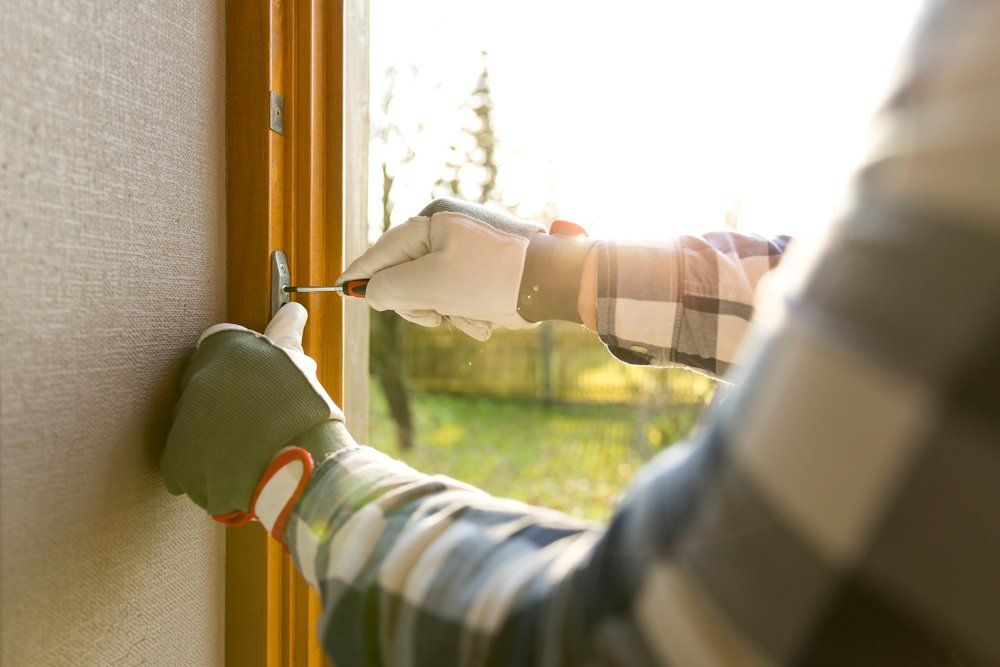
(636,120)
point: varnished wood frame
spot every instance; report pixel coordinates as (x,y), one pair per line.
(289,192)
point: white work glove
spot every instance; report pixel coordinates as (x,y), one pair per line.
(449,265)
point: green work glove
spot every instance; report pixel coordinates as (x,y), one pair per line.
(245,397)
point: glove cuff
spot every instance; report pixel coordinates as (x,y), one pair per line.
(286,477)
(280,488)
(550,282)
(277,492)
(323,439)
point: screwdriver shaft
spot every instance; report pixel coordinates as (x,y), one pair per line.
(307,288)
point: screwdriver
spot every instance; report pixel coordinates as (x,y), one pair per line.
(281,290)
(354,288)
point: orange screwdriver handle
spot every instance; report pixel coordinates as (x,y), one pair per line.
(355,288)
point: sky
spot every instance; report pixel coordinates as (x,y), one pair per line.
(639,119)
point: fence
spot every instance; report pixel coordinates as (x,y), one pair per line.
(557,362)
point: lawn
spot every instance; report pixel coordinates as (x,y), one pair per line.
(577,459)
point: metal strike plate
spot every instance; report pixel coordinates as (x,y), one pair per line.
(281,279)
(277,113)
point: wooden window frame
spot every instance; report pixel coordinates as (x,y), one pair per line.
(293,192)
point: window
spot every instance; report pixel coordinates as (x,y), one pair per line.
(638,120)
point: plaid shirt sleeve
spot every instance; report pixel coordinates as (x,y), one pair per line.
(685,302)
(841,504)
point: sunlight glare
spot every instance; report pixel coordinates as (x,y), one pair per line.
(640,119)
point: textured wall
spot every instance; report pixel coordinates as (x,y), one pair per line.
(113,252)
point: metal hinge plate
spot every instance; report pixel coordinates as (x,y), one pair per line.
(281,278)
(277,112)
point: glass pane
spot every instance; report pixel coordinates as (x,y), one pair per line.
(636,120)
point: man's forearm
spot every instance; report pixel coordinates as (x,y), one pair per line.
(412,567)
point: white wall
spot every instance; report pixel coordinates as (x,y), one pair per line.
(112,240)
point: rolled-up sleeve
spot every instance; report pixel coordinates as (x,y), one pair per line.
(684,302)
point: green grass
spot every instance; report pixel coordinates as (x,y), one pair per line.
(576,459)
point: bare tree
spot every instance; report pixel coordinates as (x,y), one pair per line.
(479,154)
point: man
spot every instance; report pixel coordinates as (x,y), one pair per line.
(842,506)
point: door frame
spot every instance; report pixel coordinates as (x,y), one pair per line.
(289,191)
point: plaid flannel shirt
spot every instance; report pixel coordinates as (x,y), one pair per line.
(685,302)
(841,506)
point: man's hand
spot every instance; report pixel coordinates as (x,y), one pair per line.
(454,260)
(244,397)
(478,268)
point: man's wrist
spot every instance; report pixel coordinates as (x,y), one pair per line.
(324,439)
(586,302)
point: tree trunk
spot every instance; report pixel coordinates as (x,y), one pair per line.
(387,365)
